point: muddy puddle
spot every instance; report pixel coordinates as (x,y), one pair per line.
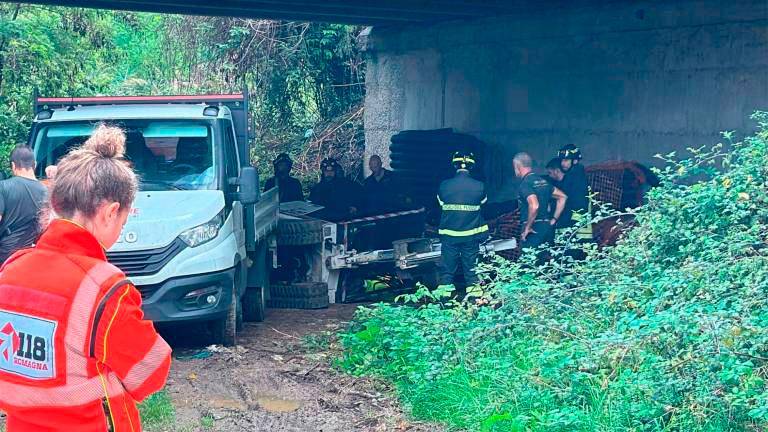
(278,405)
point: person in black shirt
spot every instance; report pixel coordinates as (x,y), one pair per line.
(573,184)
(22,198)
(290,187)
(555,173)
(555,176)
(340,196)
(380,191)
(535,193)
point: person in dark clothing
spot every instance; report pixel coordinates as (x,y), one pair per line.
(555,176)
(380,191)
(573,184)
(555,173)
(340,196)
(462,227)
(535,194)
(289,187)
(22,198)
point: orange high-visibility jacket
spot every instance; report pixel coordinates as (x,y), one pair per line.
(75,352)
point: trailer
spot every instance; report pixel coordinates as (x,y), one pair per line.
(337,250)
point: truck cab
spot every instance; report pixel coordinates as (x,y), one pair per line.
(196,240)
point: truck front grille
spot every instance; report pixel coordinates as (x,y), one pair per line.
(147,290)
(145,262)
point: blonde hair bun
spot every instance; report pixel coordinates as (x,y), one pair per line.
(107,142)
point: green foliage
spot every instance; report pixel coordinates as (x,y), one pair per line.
(664,332)
(298,74)
(207,421)
(53,50)
(317,342)
(157,411)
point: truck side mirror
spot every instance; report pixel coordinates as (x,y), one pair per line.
(249,186)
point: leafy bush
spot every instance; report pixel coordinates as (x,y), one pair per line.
(665,331)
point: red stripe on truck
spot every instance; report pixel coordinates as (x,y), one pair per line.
(228,97)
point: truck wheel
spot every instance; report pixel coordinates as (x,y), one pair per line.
(299,303)
(299,295)
(224,331)
(299,232)
(299,289)
(254,304)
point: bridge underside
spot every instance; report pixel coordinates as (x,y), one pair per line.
(365,12)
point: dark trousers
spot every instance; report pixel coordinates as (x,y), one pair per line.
(453,253)
(543,233)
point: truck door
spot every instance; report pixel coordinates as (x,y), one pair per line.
(232,170)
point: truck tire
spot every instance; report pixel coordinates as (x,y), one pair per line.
(224,331)
(299,232)
(299,303)
(300,290)
(254,304)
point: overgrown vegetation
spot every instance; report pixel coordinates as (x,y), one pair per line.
(664,332)
(301,77)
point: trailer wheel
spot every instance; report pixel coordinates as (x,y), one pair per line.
(299,303)
(300,289)
(299,295)
(254,304)
(299,232)
(224,331)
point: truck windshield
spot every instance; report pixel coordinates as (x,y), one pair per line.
(167,155)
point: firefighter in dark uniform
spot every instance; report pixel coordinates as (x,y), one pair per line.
(462,227)
(340,196)
(290,187)
(574,185)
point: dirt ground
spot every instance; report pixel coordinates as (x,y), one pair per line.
(279,379)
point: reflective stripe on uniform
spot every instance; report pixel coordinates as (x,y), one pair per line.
(152,361)
(78,388)
(86,390)
(466,233)
(584,232)
(84,305)
(460,207)
(463,159)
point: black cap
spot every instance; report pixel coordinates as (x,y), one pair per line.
(283,157)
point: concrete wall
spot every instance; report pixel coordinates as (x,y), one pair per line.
(621,79)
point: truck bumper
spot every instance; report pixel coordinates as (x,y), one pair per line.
(202,297)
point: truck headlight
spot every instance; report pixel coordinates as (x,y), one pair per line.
(204,233)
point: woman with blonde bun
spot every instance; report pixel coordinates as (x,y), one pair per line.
(75,351)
